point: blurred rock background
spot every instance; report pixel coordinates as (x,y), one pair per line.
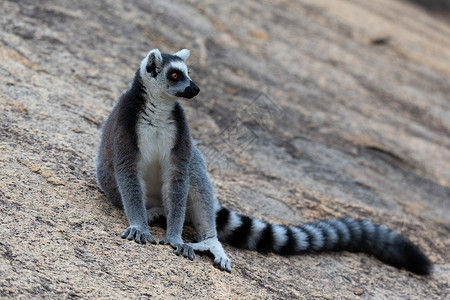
(436,6)
(308,110)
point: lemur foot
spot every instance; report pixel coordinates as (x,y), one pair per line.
(213,246)
(224,263)
(140,234)
(155,214)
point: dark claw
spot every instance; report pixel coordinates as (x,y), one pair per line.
(125,233)
(188,252)
(140,238)
(131,234)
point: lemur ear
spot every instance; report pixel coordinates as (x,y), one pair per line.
(183,54)
(154,62)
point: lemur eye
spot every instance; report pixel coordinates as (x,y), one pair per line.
(174,75)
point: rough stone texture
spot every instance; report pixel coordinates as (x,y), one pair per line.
(357,124)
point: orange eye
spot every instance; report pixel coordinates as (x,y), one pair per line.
(174,75)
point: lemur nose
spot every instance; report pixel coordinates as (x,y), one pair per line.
(194,88)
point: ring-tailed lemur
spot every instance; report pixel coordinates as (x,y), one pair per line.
(148,165)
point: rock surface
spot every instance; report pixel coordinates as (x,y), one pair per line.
(309,109)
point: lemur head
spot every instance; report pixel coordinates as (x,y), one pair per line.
(167,74)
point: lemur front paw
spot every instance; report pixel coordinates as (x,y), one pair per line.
(186,250)
(180,247)
(140,234)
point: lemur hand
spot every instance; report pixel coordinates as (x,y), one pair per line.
(140,234)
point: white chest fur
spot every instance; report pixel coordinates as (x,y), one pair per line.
(155,142)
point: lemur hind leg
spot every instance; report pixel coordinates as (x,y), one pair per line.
(213,246)
(201,212)
(155,214)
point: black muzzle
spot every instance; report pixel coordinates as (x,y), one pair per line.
(191,91)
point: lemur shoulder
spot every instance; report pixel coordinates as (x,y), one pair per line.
(148,165)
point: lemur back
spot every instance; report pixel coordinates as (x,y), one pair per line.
(148,164)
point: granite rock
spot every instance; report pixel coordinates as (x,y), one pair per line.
(308,110)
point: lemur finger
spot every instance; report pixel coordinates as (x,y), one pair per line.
(178,250)
(139,238)
(174,243)
(223,263)
(128,233)
(166,242)
(131,234)
(150,238)
(125,233)
(228,266)
(188,252)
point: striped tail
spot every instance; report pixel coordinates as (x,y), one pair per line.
(330,235)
